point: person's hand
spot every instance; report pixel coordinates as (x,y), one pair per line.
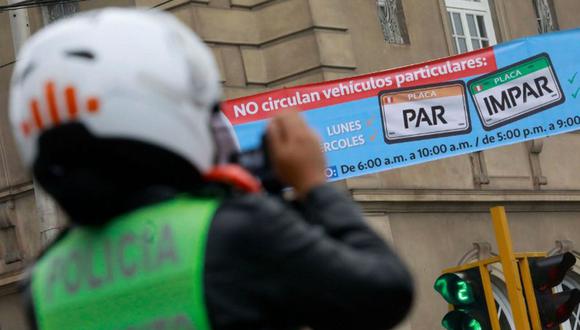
(295,153)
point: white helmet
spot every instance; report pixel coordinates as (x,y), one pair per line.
(123,73)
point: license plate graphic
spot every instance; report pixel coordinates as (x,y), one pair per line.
(424,112)
(517,91)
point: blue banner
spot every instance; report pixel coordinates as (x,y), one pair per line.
(512,92)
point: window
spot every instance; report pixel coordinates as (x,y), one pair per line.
(59,10)
(545,16)
(392,21)
(471,25)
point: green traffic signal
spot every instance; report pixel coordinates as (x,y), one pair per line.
(464,294)
(454,289)
(464,291)
(474,325)
(459,320)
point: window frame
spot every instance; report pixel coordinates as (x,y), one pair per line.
(464,8)
(482,5)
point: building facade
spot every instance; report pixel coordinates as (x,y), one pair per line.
(435,214)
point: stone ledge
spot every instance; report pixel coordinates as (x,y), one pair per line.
(380,208)
(13,191)
(167,4)
(9,283)
(249,4)
(268,41)
(430,195)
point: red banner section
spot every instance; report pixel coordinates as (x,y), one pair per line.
(300,98)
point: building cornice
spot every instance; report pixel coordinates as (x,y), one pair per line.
(13,191)
(433,200)
(9,283)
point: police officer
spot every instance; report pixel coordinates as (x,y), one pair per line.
(116,113)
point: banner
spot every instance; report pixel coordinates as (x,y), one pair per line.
(513,92)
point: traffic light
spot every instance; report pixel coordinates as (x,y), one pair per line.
(464,291)
(546,273)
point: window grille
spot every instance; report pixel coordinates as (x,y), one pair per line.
(61,10)
(392,20)
(545,16)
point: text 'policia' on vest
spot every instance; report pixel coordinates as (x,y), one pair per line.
(128,270)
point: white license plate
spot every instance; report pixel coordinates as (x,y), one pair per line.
(424,112)
(516,91)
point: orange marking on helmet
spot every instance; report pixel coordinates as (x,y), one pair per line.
(93,104)
(36,114)
(25,128)
(51,101)
(71,101)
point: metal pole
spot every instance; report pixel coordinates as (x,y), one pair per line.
(489,299)
(530,294)
(510,268)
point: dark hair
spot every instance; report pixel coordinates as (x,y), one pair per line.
(94,179)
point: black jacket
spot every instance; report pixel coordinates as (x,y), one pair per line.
(271,265)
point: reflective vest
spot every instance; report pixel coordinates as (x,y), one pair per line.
(143,270)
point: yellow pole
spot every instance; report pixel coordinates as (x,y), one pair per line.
(489,300)
(530,294)
(510,267)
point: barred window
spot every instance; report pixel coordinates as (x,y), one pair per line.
(60,10)
(545,15)
(392,20)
